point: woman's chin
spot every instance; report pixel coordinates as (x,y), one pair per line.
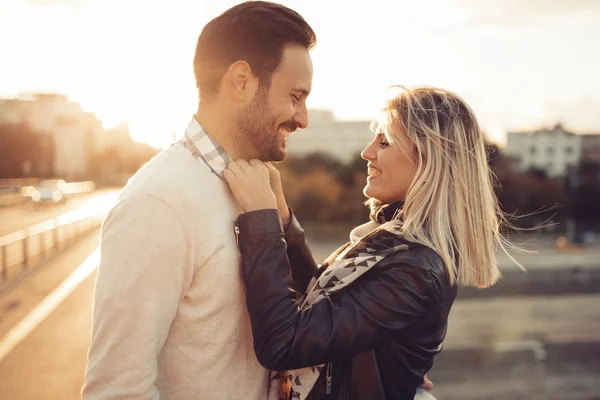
(370,193)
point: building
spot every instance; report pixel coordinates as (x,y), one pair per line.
(119,137)
(342,140)
(75,132)
(555,151)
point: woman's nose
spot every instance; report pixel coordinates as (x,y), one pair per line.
(368,153)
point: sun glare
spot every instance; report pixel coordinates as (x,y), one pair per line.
(138,71)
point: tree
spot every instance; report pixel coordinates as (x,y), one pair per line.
(321,188)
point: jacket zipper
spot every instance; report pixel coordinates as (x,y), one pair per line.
(237,235)
(328,378)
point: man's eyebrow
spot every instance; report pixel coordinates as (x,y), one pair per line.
(305,92)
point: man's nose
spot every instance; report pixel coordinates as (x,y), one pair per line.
(301,117)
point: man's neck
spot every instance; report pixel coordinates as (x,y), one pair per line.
(221,127)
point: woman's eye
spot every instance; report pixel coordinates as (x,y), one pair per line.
(382,141)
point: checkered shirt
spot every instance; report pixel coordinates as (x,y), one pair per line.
(203,148)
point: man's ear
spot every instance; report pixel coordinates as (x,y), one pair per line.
(241,81)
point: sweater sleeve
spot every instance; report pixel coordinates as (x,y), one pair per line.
(143,275)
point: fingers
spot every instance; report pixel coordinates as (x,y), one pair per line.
(253,167)
(427,384)
(243,164)
(249,184)
(234,168)
(228,175)
(271,168)
(259,166)
(239,166)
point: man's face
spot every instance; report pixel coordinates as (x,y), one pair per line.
(277,111)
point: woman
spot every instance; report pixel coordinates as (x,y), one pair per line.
(368,322)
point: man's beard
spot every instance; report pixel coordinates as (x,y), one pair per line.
(259,135)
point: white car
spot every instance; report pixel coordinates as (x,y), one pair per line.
(47,194)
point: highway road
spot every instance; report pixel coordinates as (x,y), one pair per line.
(25,215)
(44,357)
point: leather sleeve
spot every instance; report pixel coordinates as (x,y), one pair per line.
(302,262)
(384,303)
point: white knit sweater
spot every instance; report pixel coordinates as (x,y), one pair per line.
(170,320)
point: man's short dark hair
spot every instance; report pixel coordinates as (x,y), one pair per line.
(254,31)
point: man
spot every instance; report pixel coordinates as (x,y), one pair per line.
(170,319)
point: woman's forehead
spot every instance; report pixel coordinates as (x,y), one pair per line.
(387,128)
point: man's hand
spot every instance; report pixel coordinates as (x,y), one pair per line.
(250,185)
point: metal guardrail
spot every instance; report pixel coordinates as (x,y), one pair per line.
(25,248)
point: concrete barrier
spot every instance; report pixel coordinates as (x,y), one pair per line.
(23,249)
(570,279)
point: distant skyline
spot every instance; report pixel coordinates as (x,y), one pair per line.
(520,65)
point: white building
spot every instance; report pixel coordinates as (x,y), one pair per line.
(340,139)
(75,131)
(551,150)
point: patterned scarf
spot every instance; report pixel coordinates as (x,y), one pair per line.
(364,252)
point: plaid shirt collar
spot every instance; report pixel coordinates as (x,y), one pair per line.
(205,148)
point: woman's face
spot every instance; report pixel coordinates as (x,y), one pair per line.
(391,168)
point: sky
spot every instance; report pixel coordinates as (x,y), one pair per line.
(520,64)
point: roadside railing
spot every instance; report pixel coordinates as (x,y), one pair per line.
(25,248)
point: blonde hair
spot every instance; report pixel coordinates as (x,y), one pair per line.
(450,205)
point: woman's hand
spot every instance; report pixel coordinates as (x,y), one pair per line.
(250,185)
(275,178)
(427,384)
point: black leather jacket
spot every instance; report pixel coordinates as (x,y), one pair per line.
(379,334)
